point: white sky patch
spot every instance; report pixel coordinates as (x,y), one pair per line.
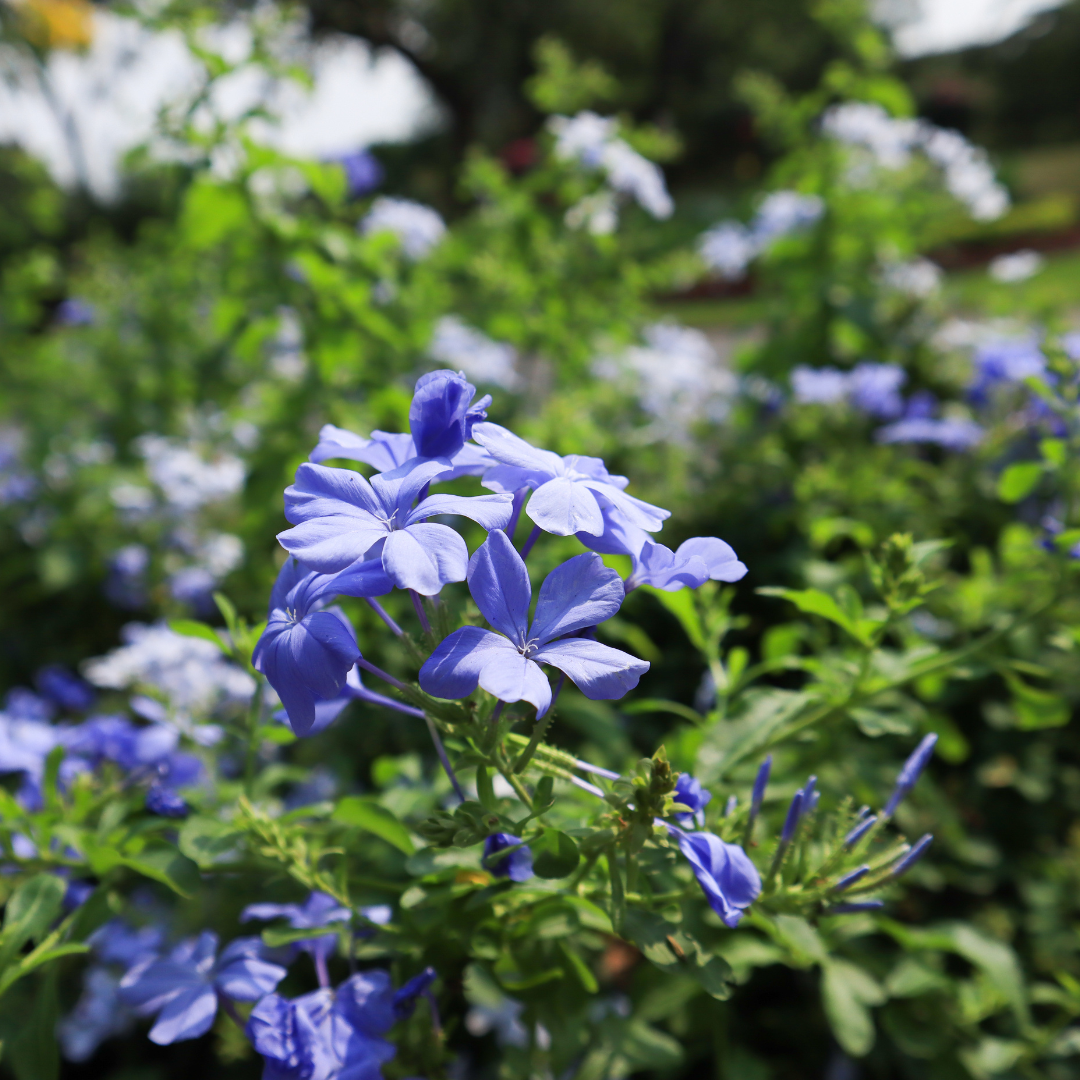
(935,26)
(106,101)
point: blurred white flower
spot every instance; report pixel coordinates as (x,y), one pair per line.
(917,278)
(1016,266)
(592,141)
(418,227)
(187,480)
(728,248)
(457,345)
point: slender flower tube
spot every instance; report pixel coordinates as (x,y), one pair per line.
(792,820)
(761,782)
(860,831)
(909,774)
(856,906)
(731,806)
(849,879)
(913,856)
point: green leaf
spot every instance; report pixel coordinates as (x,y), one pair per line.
(661,705)
(681,605)
(1019,480)
(485,790)
(816,602)
(276,937)
(366,814)
(995,959)
(1036,708)
(555,855)
(846,992)
(205,840)
(32,909)
(579,968)
(169,866)
(192,628)
(35,1053)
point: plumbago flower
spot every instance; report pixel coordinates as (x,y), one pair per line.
(184,988)
(305,652)
(569,494)
(441,419)
(340,519)
(333,1034)
(580,593)
(728,878)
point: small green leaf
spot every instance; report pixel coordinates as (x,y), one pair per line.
(579,968)
(170,867)
(1054,451)
(30,911)
(204,840)
(816,602)
(485,790)
(681,605)
(846,992)
(555,855)
(192,628)
(366,814)
(661,705)
(275,937)
(1019,480)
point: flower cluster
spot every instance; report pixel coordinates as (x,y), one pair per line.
(418,228)
(461,346)
(592,141)
(891,141)
(729,247)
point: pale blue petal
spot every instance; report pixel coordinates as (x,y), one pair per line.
(332,543)
(470,460)
(425,557)
(510,677)
(506,448)
(720,558)
(598,671)
(453,669)
(509,478)
(187,1016)
(580,592)
(398,489)
(335,442)
(319,490)
(383,451)
(366,578)
(490,511)
(249,978)
(564,507)
(499,583)
(665,569)
(635,511)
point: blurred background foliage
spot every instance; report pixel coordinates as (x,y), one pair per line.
(167,359)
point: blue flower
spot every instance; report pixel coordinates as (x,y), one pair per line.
(689,792)
(580,593)
(569,493)
(404,1000)
(517,866)
(341,518)
(304,652)
(951,434)
(74,312)
(725,873)
(64,687)
(326,712)
(818,386)
(363,172)
(386,451)
(165,802)
(913,856)
(875,389)
(910,773)
(326,1035)
(319,909)
(183,988)
(118,943)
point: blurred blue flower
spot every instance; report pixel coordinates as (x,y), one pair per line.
(183,988)
(64,687)
(818,386)
(875,389)
(950,434)
(319,909)
(580,593)
(363,172)
(74,312)
(517,866)
(910,773)
(913,856)
(165,802)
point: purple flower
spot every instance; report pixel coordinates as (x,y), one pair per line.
(23,704)
(306,653)
(165,802)
(818,386)
(851,878)
(183,988)
(517,866)
(340,519)
(951,434)
(326,1035)
(689,792)
(319,909)
(761,782)
(385,451)
(791,822)
(569,493)
(910,773)
(860,831)
(118,943)
(725,873)
(404,1000)
(582,592)
(875,389)
(856,907)
(363,173)
(64,687)
(1005,361)
(74,312)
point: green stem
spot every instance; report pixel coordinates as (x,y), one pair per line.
(251,756)
(539,729)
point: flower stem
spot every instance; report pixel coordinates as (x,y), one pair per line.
(421,614)
(533,537)
(515,513)
(441,751)
(381,612)
(539,728)
(321,970)
(378,672)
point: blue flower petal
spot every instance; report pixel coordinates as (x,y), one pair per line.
(598,671)
(580,592)
(453,670)
(425,557)
(499,583)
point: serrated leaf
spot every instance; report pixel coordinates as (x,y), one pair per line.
(364,813)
